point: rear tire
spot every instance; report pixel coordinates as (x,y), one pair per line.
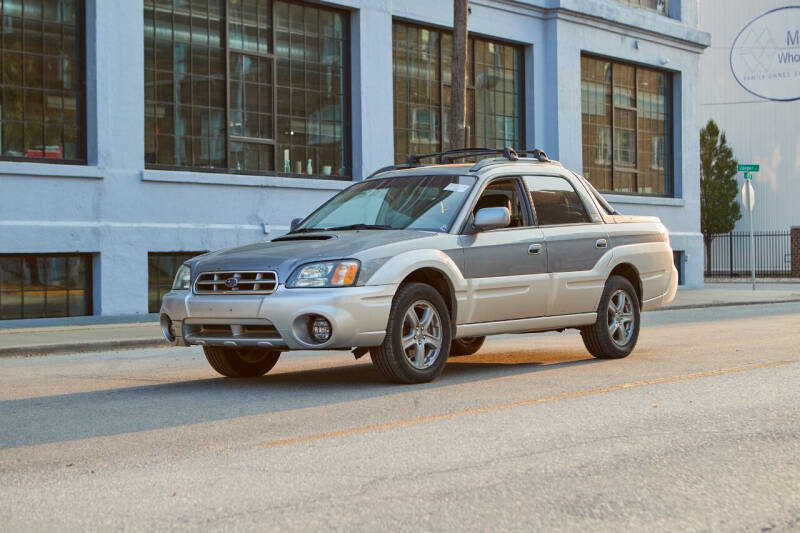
(466,346)
(614,334)
(241,362)
(418,336)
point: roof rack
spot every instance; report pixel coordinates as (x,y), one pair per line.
(448,156)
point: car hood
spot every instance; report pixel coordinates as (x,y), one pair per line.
(285,253)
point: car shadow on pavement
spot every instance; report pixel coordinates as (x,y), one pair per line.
(76,416)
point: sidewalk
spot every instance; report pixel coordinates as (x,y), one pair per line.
(103,333)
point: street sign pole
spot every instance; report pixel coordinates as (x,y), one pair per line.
(752,240)
(749,200)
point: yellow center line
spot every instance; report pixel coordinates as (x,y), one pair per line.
(519,403)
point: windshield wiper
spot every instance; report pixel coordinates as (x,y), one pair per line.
(359,226)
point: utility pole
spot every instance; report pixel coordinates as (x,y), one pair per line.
(458,87)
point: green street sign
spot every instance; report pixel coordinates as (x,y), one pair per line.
(748,175)
(748,168)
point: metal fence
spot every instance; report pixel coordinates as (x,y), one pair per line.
(730,255)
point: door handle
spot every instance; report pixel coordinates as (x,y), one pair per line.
(601,244)
(535,249)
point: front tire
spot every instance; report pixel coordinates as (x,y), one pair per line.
(418,336)
(614,334)
(241,362)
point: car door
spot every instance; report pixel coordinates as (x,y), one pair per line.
(506,268)
(575,244)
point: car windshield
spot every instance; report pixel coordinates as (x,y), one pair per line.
(409,202)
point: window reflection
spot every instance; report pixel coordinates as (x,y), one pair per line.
(285,83)
(40,80)
(626,127)
(422,76)
(44,286)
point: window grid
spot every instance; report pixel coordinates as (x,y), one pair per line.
(421,80)
(42,81)
(626,124)
(45,286)
(161,270)
(283,97)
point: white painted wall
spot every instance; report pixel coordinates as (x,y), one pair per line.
(759,130)
(118,210)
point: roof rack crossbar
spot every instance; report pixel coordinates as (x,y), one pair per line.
(448,156)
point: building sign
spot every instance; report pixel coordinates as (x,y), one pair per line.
(765,57)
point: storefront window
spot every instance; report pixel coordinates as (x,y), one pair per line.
(246,85)
(41,80)
(161,270)
(422,78)
(626,127)
(45,286)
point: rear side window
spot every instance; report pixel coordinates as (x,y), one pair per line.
(555,201)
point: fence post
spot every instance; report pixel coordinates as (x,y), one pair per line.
(795,250)
(730,250)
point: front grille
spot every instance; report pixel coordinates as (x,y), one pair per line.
(236,282)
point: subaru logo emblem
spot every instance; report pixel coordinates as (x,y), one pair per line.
(232,283)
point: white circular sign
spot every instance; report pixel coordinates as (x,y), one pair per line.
(747,189)
(765,57)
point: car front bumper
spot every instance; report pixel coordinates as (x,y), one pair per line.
(358,317)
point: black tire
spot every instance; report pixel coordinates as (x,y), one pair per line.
(241,362)
(466,346)
(391,359)
(598,338)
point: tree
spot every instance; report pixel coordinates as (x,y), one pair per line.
(719,208)
(458,87)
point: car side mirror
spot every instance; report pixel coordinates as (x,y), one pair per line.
(490,218)
(293,225)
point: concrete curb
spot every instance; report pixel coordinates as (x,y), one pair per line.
(77,347)
(159,342)
(723,304)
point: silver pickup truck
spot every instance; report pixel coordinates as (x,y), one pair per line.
(418,264)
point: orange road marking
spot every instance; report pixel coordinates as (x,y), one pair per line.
(519,403)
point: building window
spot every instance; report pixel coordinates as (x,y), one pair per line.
(659,6)
(421,60)
(45,286)
(161,270)
(42,81)
(251,86)
(627,124)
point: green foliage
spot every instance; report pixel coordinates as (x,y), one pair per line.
(719,208)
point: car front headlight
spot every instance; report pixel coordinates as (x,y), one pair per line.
(182,278)
(325,274)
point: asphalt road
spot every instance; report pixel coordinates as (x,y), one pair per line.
(698,430)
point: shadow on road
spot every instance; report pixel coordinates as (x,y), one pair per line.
(83,415)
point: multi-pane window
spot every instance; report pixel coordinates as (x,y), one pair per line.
(41,80)
(44,286)
(421,62)
(161,270)
(246,85)
(626,118)
(659,6)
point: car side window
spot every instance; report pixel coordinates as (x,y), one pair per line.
(555,201)
(505,193)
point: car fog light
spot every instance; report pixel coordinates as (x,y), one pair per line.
(320,329)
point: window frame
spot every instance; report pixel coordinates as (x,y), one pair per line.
(81,100)
(471,87)
(89,289)
(668,138)
(528,212)
(347,136)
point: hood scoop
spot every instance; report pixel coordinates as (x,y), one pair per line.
(306,237)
